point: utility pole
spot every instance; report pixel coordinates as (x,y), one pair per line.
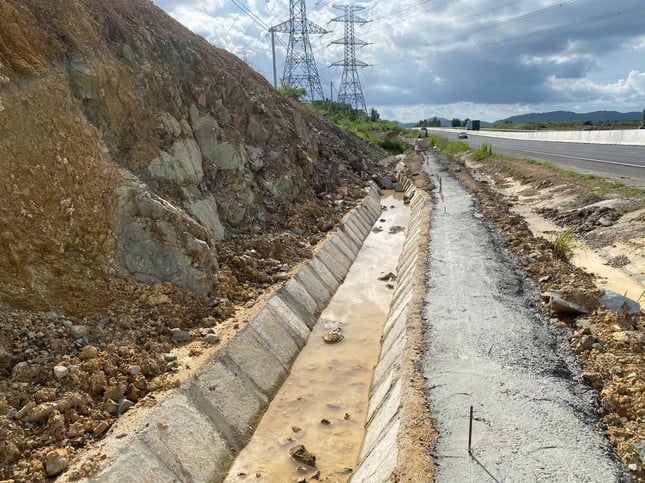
(350,90)
(300,66)
(275,75)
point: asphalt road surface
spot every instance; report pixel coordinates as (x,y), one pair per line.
(487,345)
(618,162)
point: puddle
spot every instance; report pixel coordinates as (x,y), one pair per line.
(331,382)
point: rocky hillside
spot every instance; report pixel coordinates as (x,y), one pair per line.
(130,147)
(152,188)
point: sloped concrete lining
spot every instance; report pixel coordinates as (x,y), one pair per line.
(194,433)
(398,435)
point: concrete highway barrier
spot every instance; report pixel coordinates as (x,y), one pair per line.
(632,137)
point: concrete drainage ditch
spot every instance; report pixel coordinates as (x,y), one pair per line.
(195,432)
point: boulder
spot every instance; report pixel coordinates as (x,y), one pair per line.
(182,164)
(157,242)
(619,304)
(562,306)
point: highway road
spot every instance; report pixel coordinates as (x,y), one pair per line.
(617,162)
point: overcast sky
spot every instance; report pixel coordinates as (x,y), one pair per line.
(482,59)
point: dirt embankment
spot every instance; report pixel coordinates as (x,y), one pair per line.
(153,188)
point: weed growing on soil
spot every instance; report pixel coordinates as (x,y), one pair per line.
(484,151)
(564,245)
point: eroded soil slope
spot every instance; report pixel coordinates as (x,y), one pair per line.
(152,189)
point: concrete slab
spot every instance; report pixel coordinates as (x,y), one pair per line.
(298,298)
(341,243)
(390,357)
(296,324)
(400,310)
(314,286)
(257,361)
(276,335)
(328,278)
(383,416)
(135,462)
(360,228)
(172,434)
(378,394)
(380,463)
(229,399)
(335,260)
(352,237)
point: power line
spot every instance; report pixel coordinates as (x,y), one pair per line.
(250,14)
(403,9)
(489,10)
(524,16)
(490,26)
(597,18)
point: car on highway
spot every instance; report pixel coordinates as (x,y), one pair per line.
(462,135)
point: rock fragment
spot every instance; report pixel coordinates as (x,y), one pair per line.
(180,336)
(300,454)
(60,371)
(56,462)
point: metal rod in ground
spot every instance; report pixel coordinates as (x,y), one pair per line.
(470,430)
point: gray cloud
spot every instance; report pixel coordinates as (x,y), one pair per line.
(508,55)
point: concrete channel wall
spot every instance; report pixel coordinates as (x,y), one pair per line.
(631,137)
(195,432)
(398,436)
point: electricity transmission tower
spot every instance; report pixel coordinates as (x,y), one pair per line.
(300,66)
(350,90)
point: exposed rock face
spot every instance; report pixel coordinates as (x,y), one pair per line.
(130,146)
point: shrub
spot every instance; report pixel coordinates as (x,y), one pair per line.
(393,145)
(457,147)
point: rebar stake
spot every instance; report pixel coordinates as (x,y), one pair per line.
(470,431)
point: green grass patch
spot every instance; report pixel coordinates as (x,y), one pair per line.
(387,134)
(456,147)
(599,186)
(394,145)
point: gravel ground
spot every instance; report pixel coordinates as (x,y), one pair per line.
(490,346)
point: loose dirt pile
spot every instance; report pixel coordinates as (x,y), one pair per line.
(611,347)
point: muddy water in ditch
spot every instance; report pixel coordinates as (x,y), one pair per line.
(323,402)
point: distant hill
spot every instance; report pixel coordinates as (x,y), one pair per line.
(568,116)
